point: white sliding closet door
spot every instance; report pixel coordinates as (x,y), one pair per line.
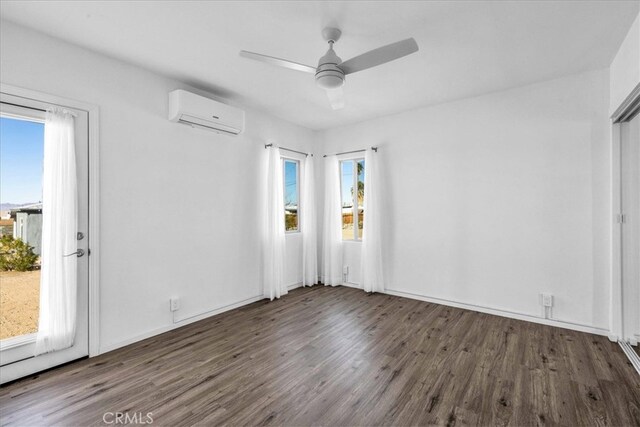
(630,179)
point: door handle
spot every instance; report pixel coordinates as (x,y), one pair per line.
(79,253)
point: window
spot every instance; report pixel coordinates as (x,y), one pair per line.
(21,161)
(352,189)
(291,194)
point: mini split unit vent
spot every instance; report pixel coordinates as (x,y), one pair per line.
(204,113)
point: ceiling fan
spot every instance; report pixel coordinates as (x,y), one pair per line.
(331,70)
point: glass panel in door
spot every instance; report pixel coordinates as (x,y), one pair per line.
(23,249)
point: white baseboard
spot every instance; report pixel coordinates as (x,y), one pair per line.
(294,286)
(352,285)
(178,324)
(504,313)
(473,307)
(498,312)
(182,322)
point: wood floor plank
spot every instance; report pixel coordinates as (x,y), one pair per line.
(338,356)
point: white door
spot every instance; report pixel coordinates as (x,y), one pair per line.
(19,145)
(630,180)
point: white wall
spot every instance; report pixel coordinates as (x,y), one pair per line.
(625,68)
(492,200)
(179,207)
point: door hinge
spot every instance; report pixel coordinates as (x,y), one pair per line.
(621,218)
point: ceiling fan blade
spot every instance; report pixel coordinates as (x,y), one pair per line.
(336,98)
(279,62)
(379,56)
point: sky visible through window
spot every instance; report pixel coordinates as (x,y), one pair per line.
(21,156)
(291,183)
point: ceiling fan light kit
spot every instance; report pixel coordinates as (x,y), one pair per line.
(330,72)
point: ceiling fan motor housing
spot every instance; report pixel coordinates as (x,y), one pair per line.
(328,74)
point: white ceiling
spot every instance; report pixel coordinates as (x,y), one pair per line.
(466,48)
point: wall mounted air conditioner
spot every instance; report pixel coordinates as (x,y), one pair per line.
(198,111)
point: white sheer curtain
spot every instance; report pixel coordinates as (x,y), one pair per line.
(58,282)
(309,226)
(332,233)
(274,243)
(371,261)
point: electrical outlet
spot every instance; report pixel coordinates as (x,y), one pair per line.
(547,300)
(174,304)
(345,269)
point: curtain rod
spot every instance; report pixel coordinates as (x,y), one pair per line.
(375,149)
(289,149)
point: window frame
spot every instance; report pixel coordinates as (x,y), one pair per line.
(17,112)
(354,198)
(284,190)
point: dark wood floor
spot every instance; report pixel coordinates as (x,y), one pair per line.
(337,356)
